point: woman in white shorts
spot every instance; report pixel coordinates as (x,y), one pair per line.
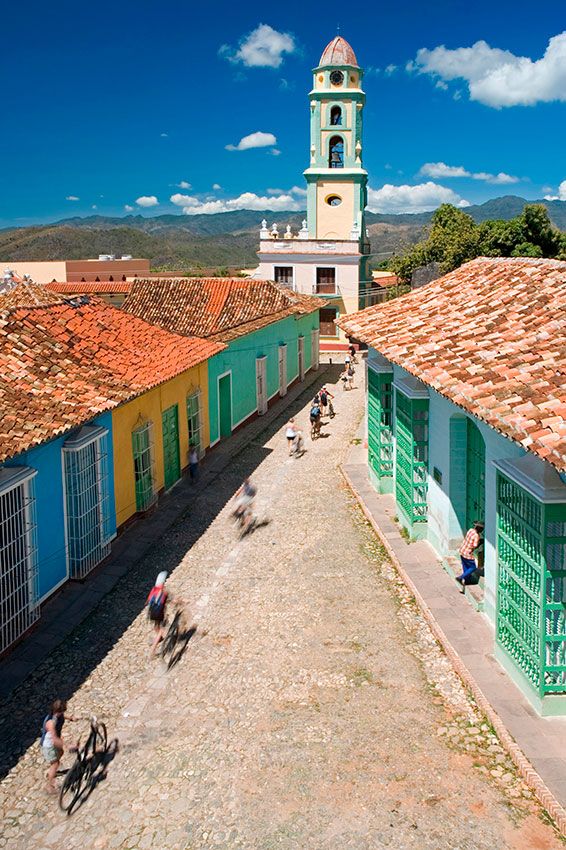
(291,433)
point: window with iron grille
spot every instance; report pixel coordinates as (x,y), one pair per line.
(194,422)
(19,579)
(144,478)
(87,497)
(531,599)
(283,275)
(380,423)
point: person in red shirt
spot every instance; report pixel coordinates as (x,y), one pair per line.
(470,544)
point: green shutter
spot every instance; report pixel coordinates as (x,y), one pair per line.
(171,458)
(475,475)
(380,424)
(531,599)
(411,473)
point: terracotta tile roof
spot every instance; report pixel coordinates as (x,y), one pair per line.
(26,293)
(221,308)
(62,364)
(338,52)
(491,337)
(90,287)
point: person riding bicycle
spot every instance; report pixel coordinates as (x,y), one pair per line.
(245,497)
(156,609)
(315,414)
(325,395)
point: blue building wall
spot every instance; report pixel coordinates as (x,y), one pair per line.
(240,359)
(50,511)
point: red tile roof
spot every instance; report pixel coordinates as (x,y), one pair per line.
(62,364)
(338,52)
(26,293)
(491,337)
(90,287)
(221,308)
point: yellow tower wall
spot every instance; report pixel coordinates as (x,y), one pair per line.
(334,222)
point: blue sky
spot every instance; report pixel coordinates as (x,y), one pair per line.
(123,106)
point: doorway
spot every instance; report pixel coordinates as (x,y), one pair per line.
(282,370)
(171,454)
(301,349)
(225,405)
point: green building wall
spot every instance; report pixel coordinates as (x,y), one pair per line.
(239,360)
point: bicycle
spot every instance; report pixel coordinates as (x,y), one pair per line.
(82,775)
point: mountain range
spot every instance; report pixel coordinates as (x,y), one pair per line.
(230,239)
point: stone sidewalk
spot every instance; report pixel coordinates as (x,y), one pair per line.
(77,599)
(468,637)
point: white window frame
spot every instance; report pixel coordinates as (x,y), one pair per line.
(279,266)
(196,395)
(315,349)
(301,357)
(79,567)
(282,369)
(261,374)
(14,623)
(152,496)
(315,283)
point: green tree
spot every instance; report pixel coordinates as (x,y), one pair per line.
(538,230)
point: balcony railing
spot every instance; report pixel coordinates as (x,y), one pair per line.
(325,289)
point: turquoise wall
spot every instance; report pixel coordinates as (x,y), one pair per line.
(47,460)
(240,359)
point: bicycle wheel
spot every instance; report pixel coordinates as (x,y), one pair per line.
(96,742)
(72,786)
(172,636)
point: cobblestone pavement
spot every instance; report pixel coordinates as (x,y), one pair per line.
(312,709)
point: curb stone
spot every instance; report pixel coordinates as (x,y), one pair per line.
(544,796)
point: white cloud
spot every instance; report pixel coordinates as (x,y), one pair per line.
(390,69)
(275,152)
(164,135)
(561,196)
(440,169)
(294,190)
(72,198)
(216,186)
(184,185)
(497,77)
(264,47)
(147,201)
(128,208)
(94,207)
(412,199)
(254,140)
(245,201)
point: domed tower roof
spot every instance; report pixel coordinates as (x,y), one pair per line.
(338,52)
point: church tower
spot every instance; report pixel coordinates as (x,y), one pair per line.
(329,255)
(336,179)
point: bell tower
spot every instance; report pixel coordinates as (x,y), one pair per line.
(336,178)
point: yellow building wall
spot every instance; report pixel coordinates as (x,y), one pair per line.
(334,222)
(150,406)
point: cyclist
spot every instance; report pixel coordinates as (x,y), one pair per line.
(156,607)
(325,396)
(244,497)
(52,745)
(315,416)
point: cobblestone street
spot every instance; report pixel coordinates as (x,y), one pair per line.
(312,709)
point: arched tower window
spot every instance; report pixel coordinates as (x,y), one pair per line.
(336,116)
(336,152)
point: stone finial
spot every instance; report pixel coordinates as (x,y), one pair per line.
(313,153)
(303,232)
(358,150)
(264,232)
(274,231)
(288,234)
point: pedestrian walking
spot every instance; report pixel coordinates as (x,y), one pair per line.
(156,609)
(52,744)
(469,565)
(324,396)
(193,464)
(290,433)
(352,351)
(350,372)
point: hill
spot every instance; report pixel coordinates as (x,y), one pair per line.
(223,239)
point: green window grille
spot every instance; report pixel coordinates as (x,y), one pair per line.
(380,423)
(475,474)
(411,472)
(194,422)
(142,447)
(531,603)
